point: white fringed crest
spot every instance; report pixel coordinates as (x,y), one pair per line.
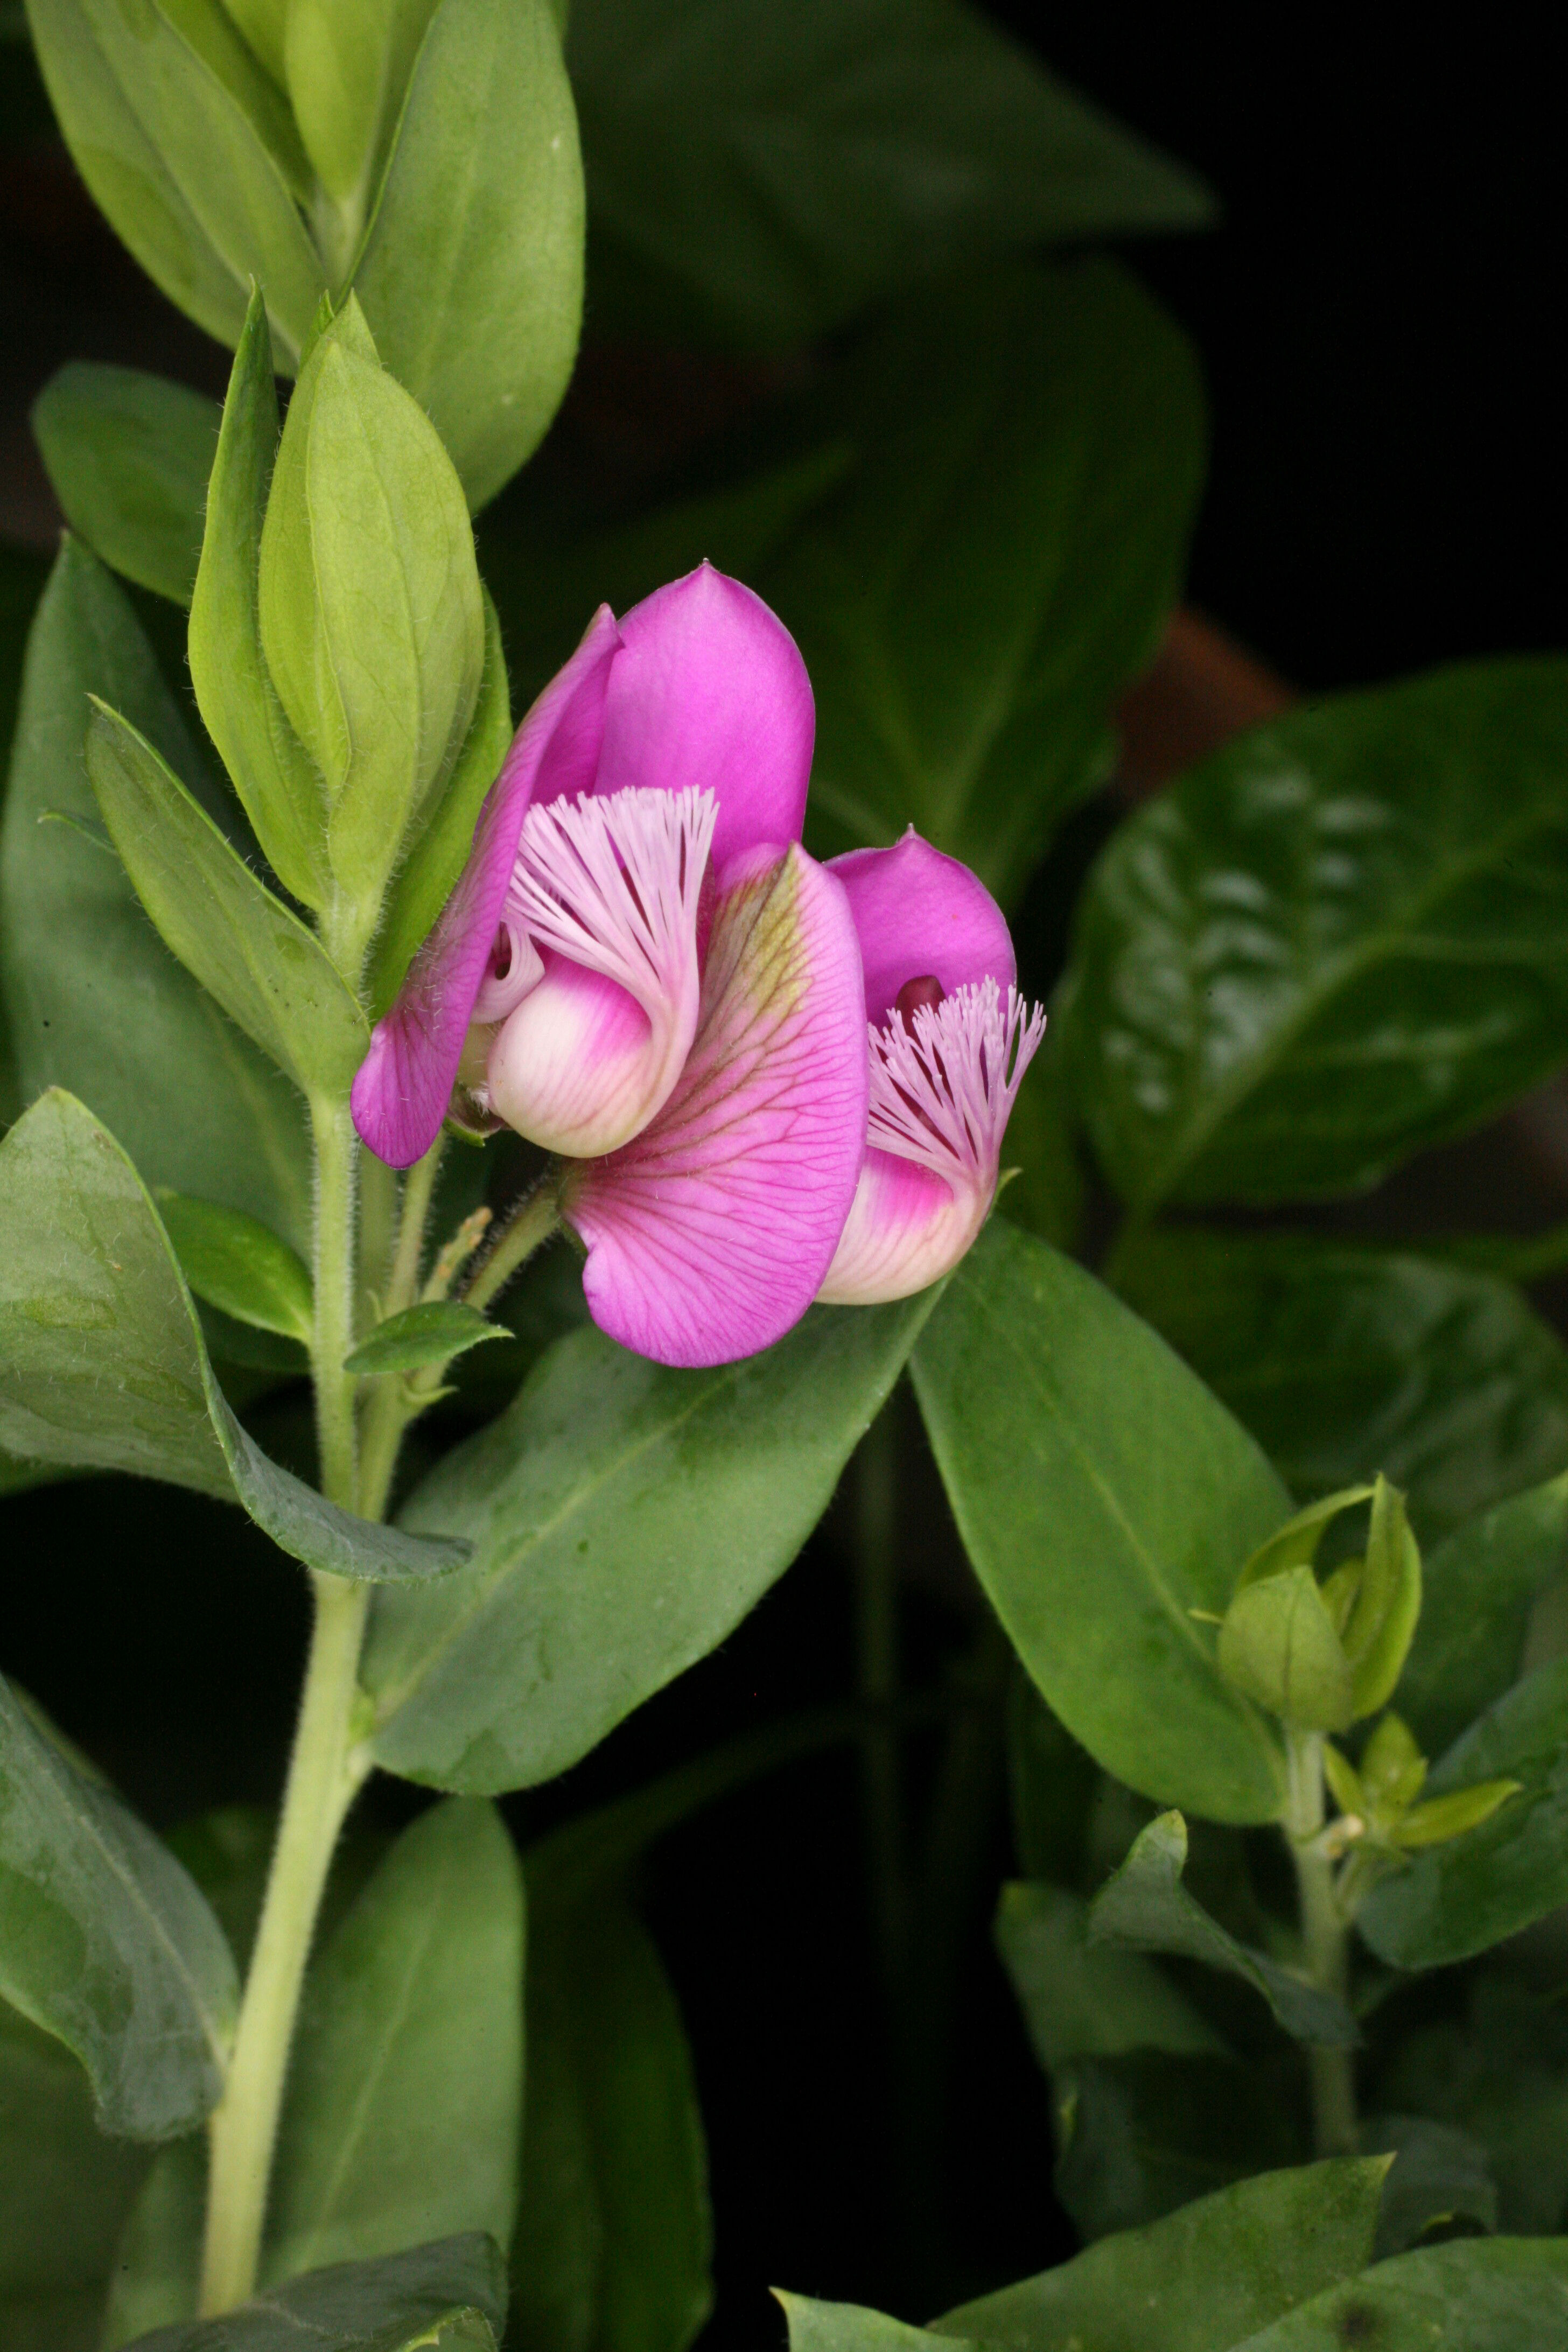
(943,1097)
(614,884)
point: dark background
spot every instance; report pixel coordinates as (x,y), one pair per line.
(1377,315)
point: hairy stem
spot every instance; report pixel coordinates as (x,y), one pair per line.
(337,1155)
(513,1242)
(386,1417)
(1325,1942)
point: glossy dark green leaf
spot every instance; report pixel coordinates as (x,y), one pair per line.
(471,276)
(1440,2177)
(1202,2278)
(822,161)
(105,1942)
(404,2101)
(1102,1496)
(188,148)
(1479,2294)
(1047,1194)
(129,456)
(1146,1906)
(96,1002)
(431,1333)
(1142,2134)
(1343,1361)
(267,971)
(1497,2071)
(614,2236)
(1458,1898)
(431,2298)
(623,1519)
(101,1360)
(1479,1590)
(1081,2002)
(238,1266)
(1340,938)
(68,2189)
(1000,564)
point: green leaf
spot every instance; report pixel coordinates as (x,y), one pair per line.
(1279,1645)
(106,1943)
(101,1360)
(845,2328)
(1142,2134)
(1339,939)
(238,1266)
(1479,1586)
(431,1333)
(1343,1361)
(1439,2176)
(1479,2294)
(96,1002)
(1102,1496)
(371,617)
(68,2187)
(614,2236)
(405,2098)
(999,565)
(1386,1603)
(1047,1195)
(472,272)
(1083,2003)
(623,1519)
(271,770)
(1458,1898)
(1200,2279)
(1498,2069)
(345,64)
(1147,1907)
(129,456)
(824,161)
(270,972)
(443,2296)
(157,2263)
(188,148)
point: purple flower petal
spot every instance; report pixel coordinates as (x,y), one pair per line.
(917,912)
(710,690)
(709,1235)
(405,1083)
(908,1227)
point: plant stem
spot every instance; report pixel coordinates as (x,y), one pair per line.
(511,1242)
(1325,1941)
(386,1415)
(419,1186)
(337,1153)
(322,1783)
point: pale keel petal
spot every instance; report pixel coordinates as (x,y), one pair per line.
(907,1228)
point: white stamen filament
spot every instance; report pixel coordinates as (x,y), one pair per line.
(942,1095)
(614,884)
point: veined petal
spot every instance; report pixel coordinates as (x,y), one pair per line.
(710,690)
(940,1101)
(710,1234)
(404,1084)
(916,911)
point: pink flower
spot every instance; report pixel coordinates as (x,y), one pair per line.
(640,969)
(950,1041)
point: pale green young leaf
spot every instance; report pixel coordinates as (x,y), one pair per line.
(347,64)
(1146,1906)
(471,275)
(1382,1621)
(1442,1817)
(433,2298)
(1278,1644)
(1479,2294)
(236,1265)
(270,972)
(263,22)
(623,1519)
(101,1360)
(96,1002)
(106,1943)
(431,1333)
(1079,2002)
(129,456)
(1102,1496)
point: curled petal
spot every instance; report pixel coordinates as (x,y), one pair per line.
(405,1083)
(916,911)
(709,1235)
(710,690)
(578,1067)
(906,1229)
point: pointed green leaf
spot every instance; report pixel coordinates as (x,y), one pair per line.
(1296,1543)
(1084,2003)
(1479,2294)
(1382,1621)
(431,1333)
(101,1360)
(845,2328)
(1442,1817)
(1141,2136)
(129,456)
(157,2262)
(270,972)
(1102,1496)
(106,1943)
(1278,1644)
(346,64)
(238,1266)
(623,1519)
(449,2297)
(96,1002)
(1146,1906)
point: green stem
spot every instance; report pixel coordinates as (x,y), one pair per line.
(513,1242)
(337,1154)
(1325,1941)
(386,1416)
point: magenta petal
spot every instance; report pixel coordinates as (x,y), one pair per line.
(917,912)
(709,1235)
(710,690)
(405,1083)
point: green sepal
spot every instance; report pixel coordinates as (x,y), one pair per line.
(1343,1779)
(431,1333)
(1279,1645)
(239,1266)
(1392,1768)
(271,770)
(1442,1817)
(1296,1544)
(1382,1622)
